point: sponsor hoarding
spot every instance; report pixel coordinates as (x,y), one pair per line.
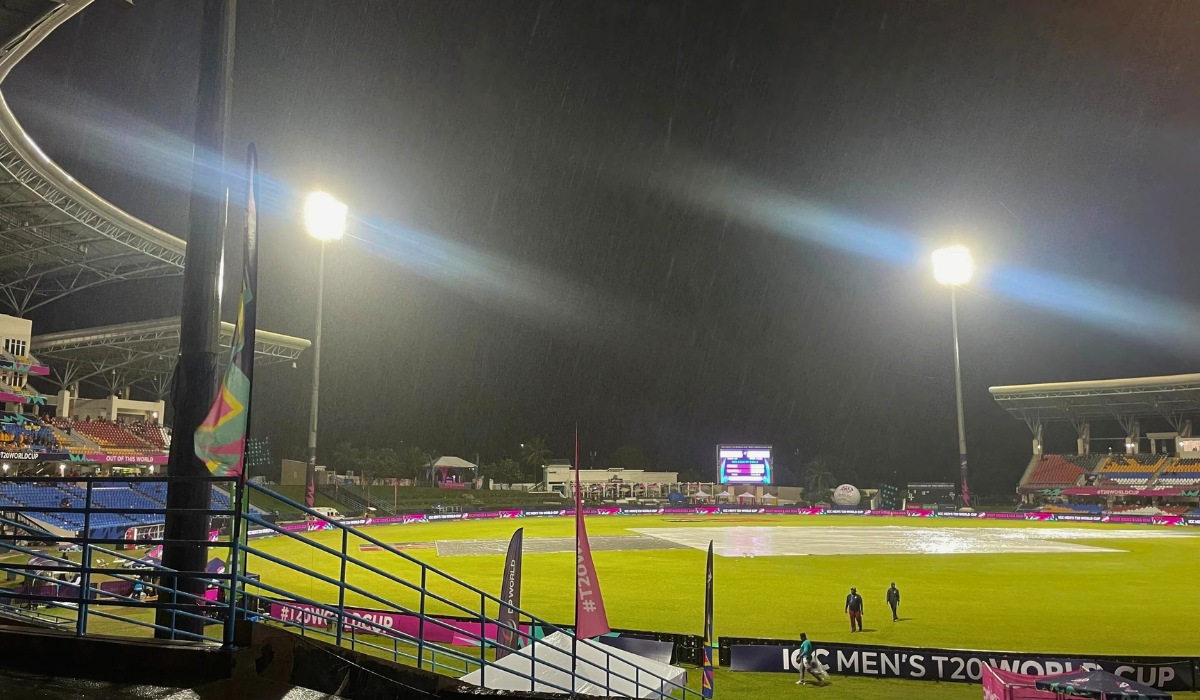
(918,663)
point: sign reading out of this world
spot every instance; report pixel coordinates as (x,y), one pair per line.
(744,464)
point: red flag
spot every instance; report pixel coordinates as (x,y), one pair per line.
(590,618)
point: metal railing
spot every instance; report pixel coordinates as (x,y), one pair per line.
(425,597)
(137,587)
(311,582)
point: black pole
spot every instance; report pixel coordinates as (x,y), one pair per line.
(195,374)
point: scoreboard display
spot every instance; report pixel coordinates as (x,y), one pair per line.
(744,464)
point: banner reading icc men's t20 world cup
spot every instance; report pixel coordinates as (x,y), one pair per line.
(926,664)
(510,593)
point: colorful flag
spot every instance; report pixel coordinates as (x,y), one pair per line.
(707,669)
(510,593)
(221,438)
(590,618)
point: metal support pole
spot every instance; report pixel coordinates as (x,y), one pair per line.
(239,493)
(311,472)
(85,560)
(342,593)
(421,623)
(962,430)
(196,371)
(174,601)
(483,640)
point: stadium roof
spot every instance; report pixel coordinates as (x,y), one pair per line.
(140,353)
(57,236)
(1169,397)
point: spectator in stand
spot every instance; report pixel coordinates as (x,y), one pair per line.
(854,607)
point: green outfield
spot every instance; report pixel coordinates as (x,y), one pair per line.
(1137,600)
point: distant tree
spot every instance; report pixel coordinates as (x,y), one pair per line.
(534,455)
(505,471)
(628,457)
(383,463)
(818,479)
(346,457)
(413,462)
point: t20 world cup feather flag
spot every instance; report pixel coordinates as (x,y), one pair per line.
(706,681)
(510,593)
(221,438)
(590,618)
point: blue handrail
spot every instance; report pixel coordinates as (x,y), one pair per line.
(244,595)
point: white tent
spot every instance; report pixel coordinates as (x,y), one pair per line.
(600,670)
(747,494)
(725,494)
(700,494)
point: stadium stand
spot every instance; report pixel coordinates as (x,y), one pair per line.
(113,438)
(1055,471)
(1086,508)
(152,433)
(141,495)
(1130,470)
(20,432)
(35,495)
(1184,471)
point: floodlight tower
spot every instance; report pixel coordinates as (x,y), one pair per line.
(325,220)
(953,267)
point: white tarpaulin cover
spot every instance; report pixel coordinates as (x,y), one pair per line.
(590,678)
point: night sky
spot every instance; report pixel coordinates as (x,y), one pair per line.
(674,223)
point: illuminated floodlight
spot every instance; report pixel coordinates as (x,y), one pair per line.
(324,217)
(952,265)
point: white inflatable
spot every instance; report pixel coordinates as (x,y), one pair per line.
(846,495)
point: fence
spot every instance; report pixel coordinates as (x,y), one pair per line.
(134,589)
(316,586)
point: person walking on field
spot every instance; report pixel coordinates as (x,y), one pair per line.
(809,663)
(893,600)
(854,606)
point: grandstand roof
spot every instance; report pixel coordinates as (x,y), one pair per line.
(143,352)
(1114,399)
(57,236)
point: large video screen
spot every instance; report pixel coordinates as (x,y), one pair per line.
(744,464)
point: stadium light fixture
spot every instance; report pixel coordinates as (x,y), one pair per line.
(324,217)
(953,265)
(62,470)
(6,470)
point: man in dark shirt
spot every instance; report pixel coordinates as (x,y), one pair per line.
(893,600)
(854,606)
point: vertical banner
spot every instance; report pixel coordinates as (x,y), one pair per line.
(220,440)
(590,618)
(707,669)
(510,593)
(966,493)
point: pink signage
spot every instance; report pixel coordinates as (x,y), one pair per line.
(1117,491)
(445,631)
(101,458)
